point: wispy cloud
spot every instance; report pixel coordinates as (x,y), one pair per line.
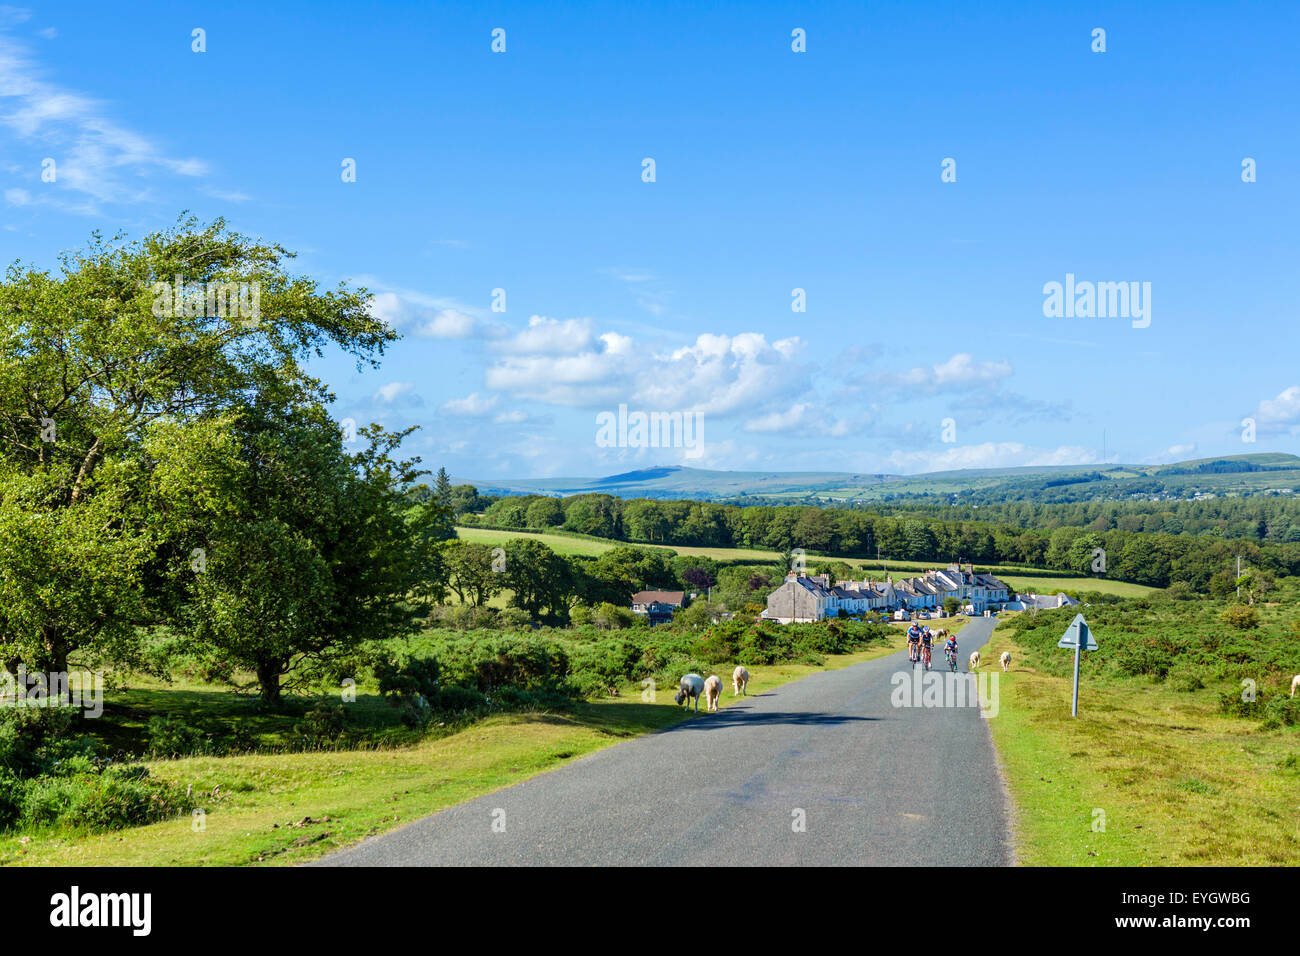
(96,157)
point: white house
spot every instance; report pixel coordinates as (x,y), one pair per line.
(813,597)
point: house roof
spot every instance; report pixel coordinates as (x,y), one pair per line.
(673,598)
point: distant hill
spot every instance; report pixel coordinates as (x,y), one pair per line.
(1235,474)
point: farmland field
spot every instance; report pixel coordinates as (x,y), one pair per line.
(1034,579)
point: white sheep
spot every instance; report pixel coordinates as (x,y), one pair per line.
(740,681)
(712,691)
(692,685)
(1295,682)
(974,660)
(1006,660)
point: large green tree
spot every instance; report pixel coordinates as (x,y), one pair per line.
(299,553)
(123,338)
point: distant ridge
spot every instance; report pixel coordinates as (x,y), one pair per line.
(1230,474)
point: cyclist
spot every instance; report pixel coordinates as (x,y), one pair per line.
(927,639)
(950,650)
(914,642)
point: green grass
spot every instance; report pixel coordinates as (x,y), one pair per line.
(1179,782)
(286,808)
(1020,578)
(1051,585)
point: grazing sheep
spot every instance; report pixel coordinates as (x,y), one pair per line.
(974,660)
(740,681)
(692,685)
(1006,660)
(1295,682)
(712,691)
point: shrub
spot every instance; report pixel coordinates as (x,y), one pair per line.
(173,737)
(30,737)
(522,661)
(612,617)
(459,700)
(1242,617)
(89,802)
(411,686)
(322,724)
(514,617)
(1281,710)
(599,668)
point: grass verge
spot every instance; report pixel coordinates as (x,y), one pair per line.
(1146,775)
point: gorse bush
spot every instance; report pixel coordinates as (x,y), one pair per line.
(97,801)
(523,662)
(33,737)
(173,737)
(52,779)
(323,724)
(1194,644)
(591,662)
(1241,617)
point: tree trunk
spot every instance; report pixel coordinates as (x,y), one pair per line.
(268,678)
(56,653)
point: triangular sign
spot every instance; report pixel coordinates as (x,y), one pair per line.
(1078,629)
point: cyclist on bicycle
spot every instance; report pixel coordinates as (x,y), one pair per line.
(914,642)
(950,648)
(927,639)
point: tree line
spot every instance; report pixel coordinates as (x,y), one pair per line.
(1153,557)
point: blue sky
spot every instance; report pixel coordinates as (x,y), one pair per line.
(775,170)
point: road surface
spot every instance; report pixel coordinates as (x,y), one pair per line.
(871,783)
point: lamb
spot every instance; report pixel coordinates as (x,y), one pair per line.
(692,685)
(1295,682)
(712,691)
(974,660)
(1006,660)
(740,681)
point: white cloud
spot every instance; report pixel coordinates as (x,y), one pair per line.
(394,390)
(717,374)
(422,315)
(227,195)
(473,405)
(960,372)
(1279,415)
(96,156)
(803,417)
(550,337)
(991,455)
(723,374)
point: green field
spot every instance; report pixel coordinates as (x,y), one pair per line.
(1019,578)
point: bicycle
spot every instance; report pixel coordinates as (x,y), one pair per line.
(952,660)
(913,652)
(925,651)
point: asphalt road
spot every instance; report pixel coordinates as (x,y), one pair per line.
(877,785)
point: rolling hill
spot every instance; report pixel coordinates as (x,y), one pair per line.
(1276,473)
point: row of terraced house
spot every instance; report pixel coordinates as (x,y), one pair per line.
(813,597)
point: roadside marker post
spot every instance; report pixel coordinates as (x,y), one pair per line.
(1080,638)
